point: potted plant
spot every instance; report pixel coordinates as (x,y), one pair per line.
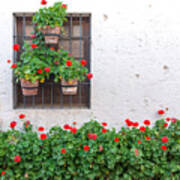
(70,71)
(50,20)
(32,68)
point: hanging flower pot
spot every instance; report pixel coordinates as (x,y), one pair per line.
(51,39)
(69,87)
(29,88)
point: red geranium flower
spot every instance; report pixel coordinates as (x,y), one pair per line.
(63,150)
(160,112)
(163,147)
(16,47)
(47,69)
(128,122)
(116,139)
(148,138)
(104,123)
(39,71)
(100,148)
(168,119)
(17,158)
(41,128)
(165,125)
(28,122)
(68,63)
(86,148)
(33,36)
(13,124)
(135,124)
(92,136)
(164,139)
(147,122)
(43,2)
(22,116)
(64,6)
(8,61)
(43,136)
(3,173)
(14,66)
(74,122)
(83,62)
(66,126)
(73,130)
(89,75)
(104,130)
(52,48)
(34,46)
(139,142)
(142,129)
(173,120)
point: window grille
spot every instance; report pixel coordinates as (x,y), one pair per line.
(76,40)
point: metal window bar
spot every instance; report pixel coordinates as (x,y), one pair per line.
(42,97)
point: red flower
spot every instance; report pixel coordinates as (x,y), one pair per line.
(63,150)
(43,2)
(147,122)
(28,122)
(16,47)
(8,61)
(104,123)
(66,126)
(43,136)
(148,138)
(128,122)
(73,130)
(39,71)
(14,66)
(83,62)
(22,116)
(100,148)
(163,147)
(3,173)
(139,142)
(56,62)
(52,48)
(89,75)
(68,63)
(74,122)
(104,130)
(116,139)
(33,36)
(86,148)
(41,128)
(168,119)
(136,152)
(17,158)
(135,124)
(47,69)
(173,120)
(64,6)
(165,125)
(13,124)
(164,139)
(160,112)
(69,54)
(142,129)
(34,46)
(92,136)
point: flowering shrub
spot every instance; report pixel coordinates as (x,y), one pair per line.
(91,152)
(52,16)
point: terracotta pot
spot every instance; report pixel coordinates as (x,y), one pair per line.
(69,90)
(29,88)
(51,39)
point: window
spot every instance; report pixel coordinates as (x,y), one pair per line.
(76,40)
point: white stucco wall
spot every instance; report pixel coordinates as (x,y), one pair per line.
(135,61)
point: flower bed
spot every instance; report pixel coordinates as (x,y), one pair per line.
(92,152)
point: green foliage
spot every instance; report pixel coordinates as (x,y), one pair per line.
(42,159)
(51,16)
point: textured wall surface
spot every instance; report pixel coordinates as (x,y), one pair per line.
(135,61)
